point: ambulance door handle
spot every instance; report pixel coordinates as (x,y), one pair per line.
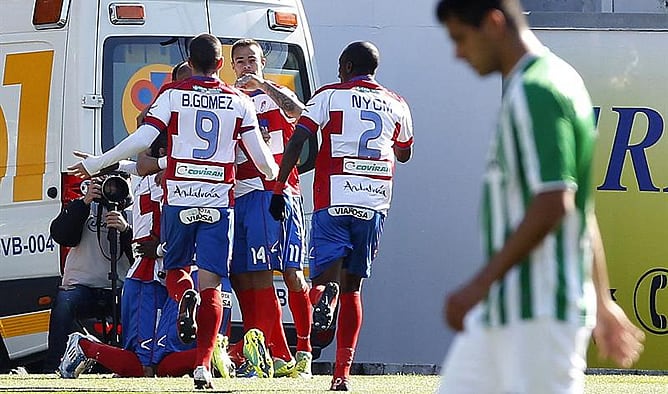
(92,101)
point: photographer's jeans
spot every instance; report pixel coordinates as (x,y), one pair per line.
(77,302)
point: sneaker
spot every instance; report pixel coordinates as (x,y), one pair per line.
(186,325)
(222,364)
(303,366)
(340,384)
(74,361)
(246,370)
(323,311)
(284,368)
(202,378)
(257,354)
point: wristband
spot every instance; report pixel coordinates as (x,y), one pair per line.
(278,187)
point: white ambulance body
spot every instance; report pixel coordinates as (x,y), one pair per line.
(74,74)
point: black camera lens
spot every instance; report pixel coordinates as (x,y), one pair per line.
(115,189)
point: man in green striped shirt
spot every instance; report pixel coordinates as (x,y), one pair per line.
(525,318)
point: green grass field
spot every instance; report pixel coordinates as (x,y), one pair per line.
(596,384)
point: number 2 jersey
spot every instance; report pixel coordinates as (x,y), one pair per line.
(279,127)
(360,122)
(204,119)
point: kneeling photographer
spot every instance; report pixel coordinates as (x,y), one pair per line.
(87,287)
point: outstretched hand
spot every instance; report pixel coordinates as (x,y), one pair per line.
(78,169)
(277,207)
(616,337)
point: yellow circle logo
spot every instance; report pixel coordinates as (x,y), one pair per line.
(140,91)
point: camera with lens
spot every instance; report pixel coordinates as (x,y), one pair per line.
(115,191)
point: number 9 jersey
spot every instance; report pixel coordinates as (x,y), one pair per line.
(361,123)
(204,119)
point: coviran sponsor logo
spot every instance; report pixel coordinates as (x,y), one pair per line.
(360,213)
(197,193)
(367,167)
(365,188)
(207,215)
(195,171)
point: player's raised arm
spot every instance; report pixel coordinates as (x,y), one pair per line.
(257,149)
(130,146)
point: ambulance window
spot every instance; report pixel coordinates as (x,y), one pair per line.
(134,69)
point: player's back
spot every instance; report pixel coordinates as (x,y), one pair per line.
(204,119)
(369,116)
(360,122)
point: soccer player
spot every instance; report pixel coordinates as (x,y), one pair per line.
(204,118)
(525,318)
(262,244)
(364,127)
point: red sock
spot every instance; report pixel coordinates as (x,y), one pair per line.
(315,293)
(301,313)
(208,323)
(177,364)
(347,331)
(278,344)
(236,352)
(123,362)
(265,311)
(177,282)
(245,298)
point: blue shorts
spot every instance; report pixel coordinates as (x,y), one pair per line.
(166,338)
(293,242)
(346,232)
(141,308)
(207,232)
(256,234)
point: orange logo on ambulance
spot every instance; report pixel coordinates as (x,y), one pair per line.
(140,91)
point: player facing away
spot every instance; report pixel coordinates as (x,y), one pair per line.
(261,244)
(364,127)
(204,119)
(525,318)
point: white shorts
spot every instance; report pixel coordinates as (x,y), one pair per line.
(528,357)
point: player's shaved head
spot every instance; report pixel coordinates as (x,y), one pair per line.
(181,71)
(205,53)
(363,57)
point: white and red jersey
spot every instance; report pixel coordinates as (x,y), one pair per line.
(146,225)
(204,119)
(279,126)
(360,123)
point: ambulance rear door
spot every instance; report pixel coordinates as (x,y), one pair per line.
(32,63)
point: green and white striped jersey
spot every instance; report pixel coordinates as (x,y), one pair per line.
(544,141)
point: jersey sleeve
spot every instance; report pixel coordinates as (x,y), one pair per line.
(546,139)
(404,133)
(160,111)
(316,113)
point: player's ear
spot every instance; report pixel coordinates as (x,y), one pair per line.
(348,67)
(219,63)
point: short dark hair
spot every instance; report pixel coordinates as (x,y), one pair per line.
(472,12)
(205,51)
(245,42)
(363,56)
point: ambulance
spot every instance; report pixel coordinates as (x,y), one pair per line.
(74,75)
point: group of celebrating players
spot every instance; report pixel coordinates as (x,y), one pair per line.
(227,216)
